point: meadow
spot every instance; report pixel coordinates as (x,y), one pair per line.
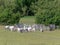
(28,20)
(29,38)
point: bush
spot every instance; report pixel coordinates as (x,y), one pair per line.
(48,12)
(7,17)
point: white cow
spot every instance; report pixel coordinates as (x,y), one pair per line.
(6,27)
(26,28)
(19,29)
(41,29)
(11,28)
(29,29)
(33,29)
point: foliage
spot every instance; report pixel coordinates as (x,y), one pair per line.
(48,12)
(25,7)
(7,15)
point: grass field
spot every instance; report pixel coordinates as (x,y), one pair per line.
(29,38)
(28,20)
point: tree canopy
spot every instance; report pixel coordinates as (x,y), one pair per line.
(46,11)
(7,15)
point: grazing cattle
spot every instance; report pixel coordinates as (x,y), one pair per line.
(52,27)
(11,28)
(41,29)
(33,29)
(6,27)
(18,29)
(26,28)
(29,29)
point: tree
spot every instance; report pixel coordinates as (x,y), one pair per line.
(25,7)
(48,12)
(7,15)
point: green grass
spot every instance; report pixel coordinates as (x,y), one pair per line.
(28,20)
(31,38)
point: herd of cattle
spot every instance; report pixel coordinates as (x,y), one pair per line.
(29,28)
